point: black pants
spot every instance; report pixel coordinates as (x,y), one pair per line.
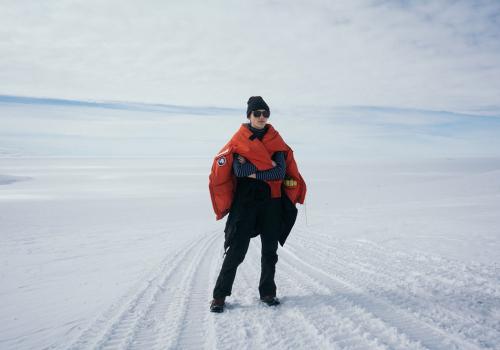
(263,216)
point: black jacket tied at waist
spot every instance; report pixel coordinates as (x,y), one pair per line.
(251,195)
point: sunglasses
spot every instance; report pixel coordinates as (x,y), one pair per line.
(257,114)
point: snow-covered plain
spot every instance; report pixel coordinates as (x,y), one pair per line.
(108,239)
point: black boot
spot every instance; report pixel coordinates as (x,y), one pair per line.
(270,300)
(217,305)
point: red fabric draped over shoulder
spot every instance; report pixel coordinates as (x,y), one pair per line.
(222,181)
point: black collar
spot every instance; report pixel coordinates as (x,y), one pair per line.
(257,133)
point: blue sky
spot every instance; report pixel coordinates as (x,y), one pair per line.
(441,55)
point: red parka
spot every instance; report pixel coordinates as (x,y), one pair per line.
(222,181)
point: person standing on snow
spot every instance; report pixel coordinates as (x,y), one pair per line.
(256,181)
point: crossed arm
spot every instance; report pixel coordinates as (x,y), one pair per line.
(244,168)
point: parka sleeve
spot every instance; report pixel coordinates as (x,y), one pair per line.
(243,170)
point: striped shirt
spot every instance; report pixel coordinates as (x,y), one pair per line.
(276,173)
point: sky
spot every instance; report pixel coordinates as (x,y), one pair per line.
(438,55)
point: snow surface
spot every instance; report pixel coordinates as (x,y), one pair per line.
(100,251)
(8,179)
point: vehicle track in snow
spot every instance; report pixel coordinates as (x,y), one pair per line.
(279,329)
(339,320)
(438,295)
(330,301)
(350,293)
(248,324)
(238,327)
(193,324)
(153,316)
(308,317)
(307,312)
(369,256)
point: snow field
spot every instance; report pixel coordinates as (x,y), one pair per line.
(335,295)
(124,253)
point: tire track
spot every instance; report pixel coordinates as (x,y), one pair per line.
(161,325)
(371,254)
(416,330)
(194,326)
(342,323)
(375,277)
(285,329)
(248,324)
(116,328)
(213,338)
(302,322)
(242,328)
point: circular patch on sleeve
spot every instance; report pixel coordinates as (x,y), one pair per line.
(221,161)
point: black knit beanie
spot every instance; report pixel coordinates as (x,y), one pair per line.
(254,103)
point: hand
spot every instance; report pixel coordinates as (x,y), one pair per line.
(274,163)
(253,176)
(241,159)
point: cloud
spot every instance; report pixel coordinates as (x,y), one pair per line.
(420,54)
